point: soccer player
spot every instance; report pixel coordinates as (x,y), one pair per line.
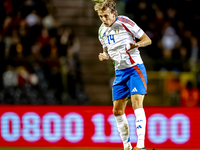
(117,35)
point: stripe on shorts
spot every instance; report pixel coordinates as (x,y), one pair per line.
(141,75)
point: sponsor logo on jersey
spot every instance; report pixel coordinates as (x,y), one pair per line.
(104,35)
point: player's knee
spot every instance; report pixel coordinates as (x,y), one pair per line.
(135,104)
(137,101)
(117,112)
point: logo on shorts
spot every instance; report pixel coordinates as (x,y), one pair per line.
(134,89)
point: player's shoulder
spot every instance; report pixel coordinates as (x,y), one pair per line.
(121,16)
(101,27)
(126,20)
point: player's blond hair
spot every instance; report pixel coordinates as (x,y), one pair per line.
(107,4)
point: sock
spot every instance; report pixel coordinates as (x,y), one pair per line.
(140,126)
(123,128)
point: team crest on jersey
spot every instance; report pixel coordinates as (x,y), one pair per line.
(116,30)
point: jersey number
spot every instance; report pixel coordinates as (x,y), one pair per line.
(111,38)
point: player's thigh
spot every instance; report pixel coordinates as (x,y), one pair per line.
(137,101)
(120,91)
(119,106)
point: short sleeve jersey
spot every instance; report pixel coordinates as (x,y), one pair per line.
(117,39)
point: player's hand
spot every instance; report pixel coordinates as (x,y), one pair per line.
(103,56)
(133,45)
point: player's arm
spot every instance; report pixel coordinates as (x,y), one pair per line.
(139,34)
(144,41)
(104,56)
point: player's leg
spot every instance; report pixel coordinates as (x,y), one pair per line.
(120,93)
(138,87)
(122,123)
(137,104)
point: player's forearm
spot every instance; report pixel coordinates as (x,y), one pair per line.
(144,41)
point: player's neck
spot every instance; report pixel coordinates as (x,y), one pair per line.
(114,19)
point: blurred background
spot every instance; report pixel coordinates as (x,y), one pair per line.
(49,56)
(49,52)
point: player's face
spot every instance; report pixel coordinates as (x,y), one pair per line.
(107,17)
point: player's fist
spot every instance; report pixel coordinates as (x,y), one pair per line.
(103,56)
(134,45)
